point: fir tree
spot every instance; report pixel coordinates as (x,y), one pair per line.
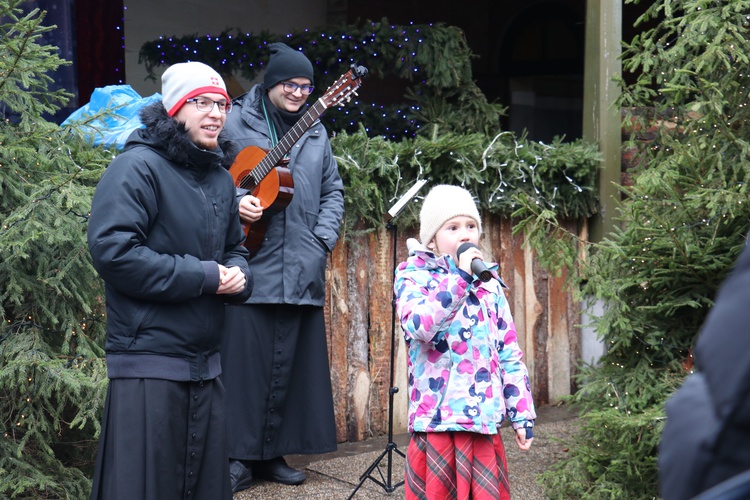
(52,375)
(681,226)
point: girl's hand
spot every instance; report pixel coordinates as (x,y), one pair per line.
(464,261)
(523,443)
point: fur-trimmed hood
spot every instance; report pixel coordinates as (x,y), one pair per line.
(170,139)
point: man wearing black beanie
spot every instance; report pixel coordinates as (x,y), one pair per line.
(286,63)
(274,354)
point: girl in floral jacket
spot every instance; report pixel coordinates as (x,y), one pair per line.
(465,370)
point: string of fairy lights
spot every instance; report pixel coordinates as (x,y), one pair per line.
(383,48)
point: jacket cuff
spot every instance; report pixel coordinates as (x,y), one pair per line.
(523,424)
(211,277)
(466,276)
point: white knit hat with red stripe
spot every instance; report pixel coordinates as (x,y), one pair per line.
(441,204)
(182,81)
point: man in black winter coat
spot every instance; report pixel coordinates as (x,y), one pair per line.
(165,235)
(706,439)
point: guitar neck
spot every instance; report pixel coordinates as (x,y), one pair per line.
(290,138)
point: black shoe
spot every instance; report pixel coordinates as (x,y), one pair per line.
(278,471)
(241,477)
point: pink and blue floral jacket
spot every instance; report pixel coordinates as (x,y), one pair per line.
(464,362)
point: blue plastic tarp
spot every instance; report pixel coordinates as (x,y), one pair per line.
(123,105)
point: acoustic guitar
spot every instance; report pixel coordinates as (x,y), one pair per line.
(264,173)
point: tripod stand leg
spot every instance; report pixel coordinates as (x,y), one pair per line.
(384,482)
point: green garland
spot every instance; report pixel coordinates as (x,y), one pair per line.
(499,170)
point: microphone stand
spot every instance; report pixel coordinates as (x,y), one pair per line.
(386,482)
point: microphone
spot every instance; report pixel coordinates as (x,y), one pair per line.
(478,267)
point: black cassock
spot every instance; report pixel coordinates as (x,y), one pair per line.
(276,372)
(162,439)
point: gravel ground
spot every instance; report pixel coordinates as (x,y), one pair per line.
(336,475)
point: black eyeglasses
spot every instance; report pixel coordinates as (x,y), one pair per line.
(205,105)
(291,88)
